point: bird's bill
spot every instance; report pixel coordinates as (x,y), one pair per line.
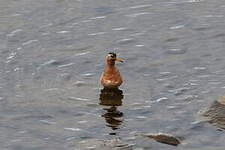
(119,59)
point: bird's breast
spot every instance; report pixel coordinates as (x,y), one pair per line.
(111,77)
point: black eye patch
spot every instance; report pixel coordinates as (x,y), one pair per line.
(111,54)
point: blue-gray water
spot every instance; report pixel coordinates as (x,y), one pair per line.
(52,53)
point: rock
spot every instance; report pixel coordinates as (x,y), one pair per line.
(114,143)
(215,114)
(221,100)
(163,138)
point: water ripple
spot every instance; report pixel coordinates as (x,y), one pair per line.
(1,98)
(13,33)
(72,129)
(137,14)
(137,34)
(214,16)
(214,83)
(51,89)
(98,17)
(49,62)
(172,107)
(139,45)
(177,27)
(47,122)
(204,76)
(164,74)
(219,35)
(179,91)
(66,65)
(62,32)
(88,74)
(195,1)
(80,83)
(126,41)
(161,99)
(86,21)
(97,33)
(120,29)
(172,39)
(75,23)
(29,42)
(78,99)
(188,97)
(11,57)
(200,68)
(176,51)
(16,14)
(141,117)
(46,25)
(82,121)
(140,6)
(83,53)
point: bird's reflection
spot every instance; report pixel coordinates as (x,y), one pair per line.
(112,98)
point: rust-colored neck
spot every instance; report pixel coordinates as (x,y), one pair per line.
(109,63)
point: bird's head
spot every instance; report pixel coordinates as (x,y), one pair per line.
(111,58)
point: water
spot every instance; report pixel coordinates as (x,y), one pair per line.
(52,54)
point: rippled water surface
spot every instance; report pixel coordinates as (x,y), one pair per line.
(52,53)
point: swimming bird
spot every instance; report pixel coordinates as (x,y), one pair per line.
(111,78)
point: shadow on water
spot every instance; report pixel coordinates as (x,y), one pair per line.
(112,98)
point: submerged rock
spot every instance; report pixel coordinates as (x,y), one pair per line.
(216,113)
(163,138)
(115,143)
